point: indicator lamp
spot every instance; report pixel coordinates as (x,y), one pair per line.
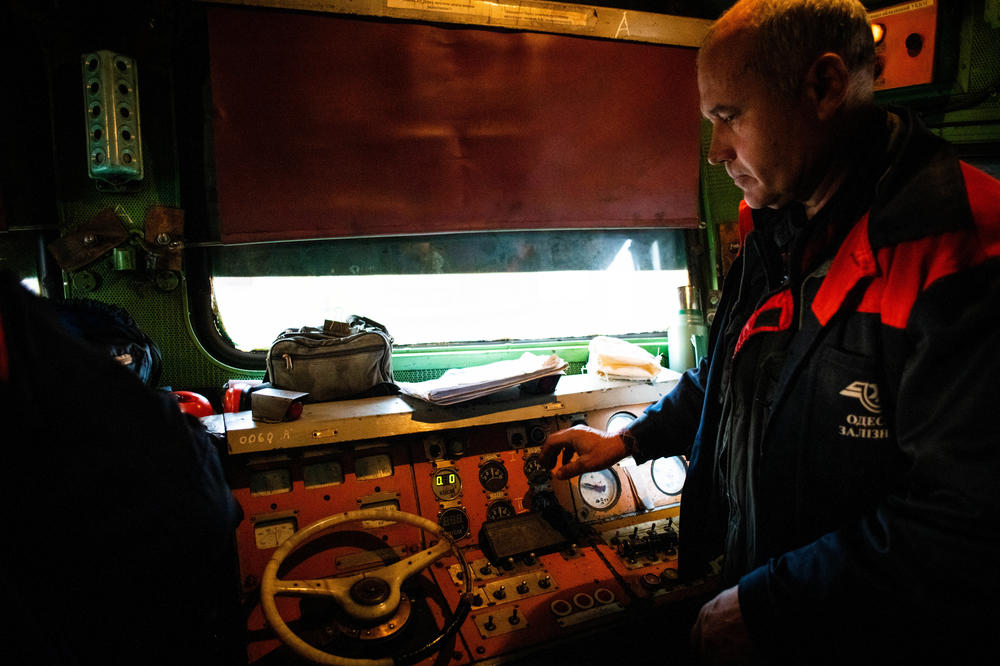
(878,32)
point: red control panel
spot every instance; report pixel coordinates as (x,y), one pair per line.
(541,560)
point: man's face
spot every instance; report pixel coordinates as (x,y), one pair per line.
(765,144)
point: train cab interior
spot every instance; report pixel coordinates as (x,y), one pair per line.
(487,182)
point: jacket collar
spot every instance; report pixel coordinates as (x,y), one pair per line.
(922,191)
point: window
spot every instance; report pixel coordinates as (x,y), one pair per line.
(454,288)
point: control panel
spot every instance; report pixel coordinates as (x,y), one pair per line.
(533,559)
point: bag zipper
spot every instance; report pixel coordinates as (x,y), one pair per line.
(340,352)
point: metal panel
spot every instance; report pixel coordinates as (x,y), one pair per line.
(334,127)
(373,418)
(552,17)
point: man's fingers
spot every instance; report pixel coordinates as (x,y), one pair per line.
(556,443)
(569,469)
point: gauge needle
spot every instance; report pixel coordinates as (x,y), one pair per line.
(594,486)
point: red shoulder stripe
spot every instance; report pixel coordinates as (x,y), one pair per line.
(984,199)
(854,261)
(902,272)
(780,309)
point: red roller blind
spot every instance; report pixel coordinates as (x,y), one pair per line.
(328,127)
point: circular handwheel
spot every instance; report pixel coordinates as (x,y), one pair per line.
(367,597)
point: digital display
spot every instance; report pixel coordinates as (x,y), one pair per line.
(446,484)
(455,522)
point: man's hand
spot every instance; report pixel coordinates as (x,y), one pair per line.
(595,450)
(719,637)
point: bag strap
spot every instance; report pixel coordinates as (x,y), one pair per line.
(365,322)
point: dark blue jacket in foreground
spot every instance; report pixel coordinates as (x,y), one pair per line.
(118,520)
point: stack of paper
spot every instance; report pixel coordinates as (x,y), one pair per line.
(461,384)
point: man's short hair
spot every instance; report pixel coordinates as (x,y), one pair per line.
(788,36)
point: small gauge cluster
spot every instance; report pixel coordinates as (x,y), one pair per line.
(485,474)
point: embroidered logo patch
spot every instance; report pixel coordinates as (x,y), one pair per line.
(864,426)
(867,393)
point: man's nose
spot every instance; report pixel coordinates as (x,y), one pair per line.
(720,150)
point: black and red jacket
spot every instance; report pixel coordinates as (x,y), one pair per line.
(843,447)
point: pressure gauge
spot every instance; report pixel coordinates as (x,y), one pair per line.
(446,484)
(270,481)
(500,509)
(669,474)
(493,475)
(534,471)
(600,490)
(618,421)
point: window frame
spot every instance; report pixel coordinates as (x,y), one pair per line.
(435,358)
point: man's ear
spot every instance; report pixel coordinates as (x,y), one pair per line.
(827,84)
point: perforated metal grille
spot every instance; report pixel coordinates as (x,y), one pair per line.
(720,197)
(984,67)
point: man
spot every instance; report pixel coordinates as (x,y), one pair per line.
(843,455)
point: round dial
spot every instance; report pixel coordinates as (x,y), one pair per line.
(669,474)
(619,421)
(500,509)
(446,484)
(600,490)
(455,522)
(493,475)
(534,471)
